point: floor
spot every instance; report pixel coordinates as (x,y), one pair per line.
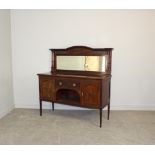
(25,126)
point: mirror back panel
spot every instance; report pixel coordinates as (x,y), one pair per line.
(81,59)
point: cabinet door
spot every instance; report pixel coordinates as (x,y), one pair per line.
(91,93)
(46,88)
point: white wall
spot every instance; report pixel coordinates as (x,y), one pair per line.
(130,32)
(6,90)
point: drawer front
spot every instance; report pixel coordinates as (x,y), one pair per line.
(67,84)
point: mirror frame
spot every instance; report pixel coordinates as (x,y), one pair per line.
(81,51)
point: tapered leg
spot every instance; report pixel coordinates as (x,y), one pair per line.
(100,117)
(109,100)
(108,111)
(40,107)
(53,106)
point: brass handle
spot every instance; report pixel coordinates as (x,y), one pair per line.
(74,84)
(60,83)
(82,93)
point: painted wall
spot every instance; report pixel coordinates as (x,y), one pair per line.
(6,90)
(130,32)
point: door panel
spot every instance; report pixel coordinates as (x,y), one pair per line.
(91,93)
(46,88)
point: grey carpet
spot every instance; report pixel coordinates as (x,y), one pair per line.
(25,126)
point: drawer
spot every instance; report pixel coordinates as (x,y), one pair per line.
(67,84)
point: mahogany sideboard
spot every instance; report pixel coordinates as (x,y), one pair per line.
(81,88)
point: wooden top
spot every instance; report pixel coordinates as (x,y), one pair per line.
(82,47)
(74,76)
(81,50)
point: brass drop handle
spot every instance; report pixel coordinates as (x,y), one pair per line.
(82,93)
(74,84)
(60,83)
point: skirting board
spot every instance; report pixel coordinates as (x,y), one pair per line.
(65,107)
(3,113)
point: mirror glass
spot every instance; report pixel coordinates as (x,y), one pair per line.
(81,63)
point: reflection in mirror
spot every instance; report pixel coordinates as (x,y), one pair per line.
(81,63)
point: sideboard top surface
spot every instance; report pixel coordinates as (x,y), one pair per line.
(74,76)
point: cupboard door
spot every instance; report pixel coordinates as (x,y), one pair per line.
(91,93)
(46,88)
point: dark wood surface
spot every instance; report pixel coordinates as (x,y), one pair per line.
(46,88)
(77,88)
(91,93)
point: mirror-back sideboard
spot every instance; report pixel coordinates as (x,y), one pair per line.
(87,89)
